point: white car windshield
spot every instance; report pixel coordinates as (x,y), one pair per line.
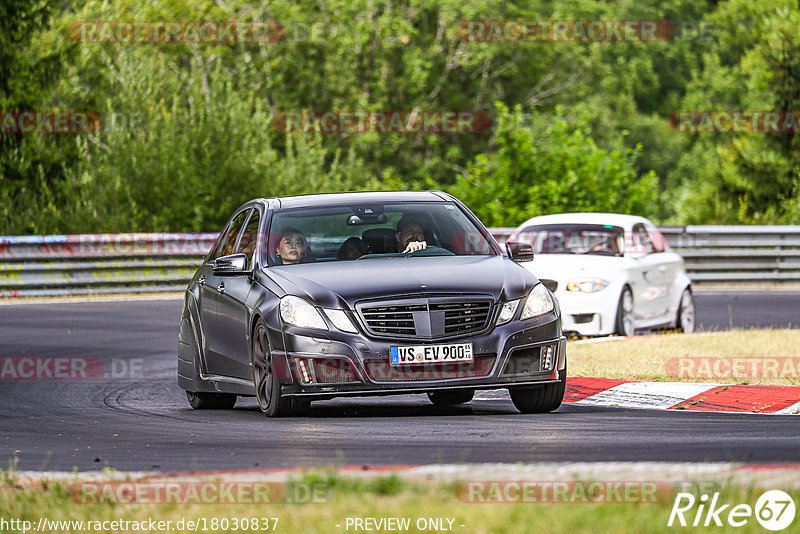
(596,239)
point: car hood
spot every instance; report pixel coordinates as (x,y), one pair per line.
(332,284)
(565,266)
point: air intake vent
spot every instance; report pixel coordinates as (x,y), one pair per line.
(463,316)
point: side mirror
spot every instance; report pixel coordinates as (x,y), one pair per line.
(230,265)
(519,251)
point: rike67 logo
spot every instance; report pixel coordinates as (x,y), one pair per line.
(774,510)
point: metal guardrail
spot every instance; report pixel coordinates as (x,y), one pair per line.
(99,263)
(155,262)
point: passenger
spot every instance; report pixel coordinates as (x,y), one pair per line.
(352,249)
(293,248)
(411,234)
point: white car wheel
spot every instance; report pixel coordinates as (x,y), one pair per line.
(686,315)
(624,326)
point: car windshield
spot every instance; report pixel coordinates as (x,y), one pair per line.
(602,240)
(362,232)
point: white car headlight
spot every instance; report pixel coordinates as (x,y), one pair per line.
(340,320)
(298,312)
(539,302)
(507,311)
(589,285)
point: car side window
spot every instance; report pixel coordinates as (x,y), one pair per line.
(249,239)
(660,242)
(642,241)
(229,241)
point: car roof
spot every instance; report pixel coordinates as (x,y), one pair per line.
(615,219)
(365,197)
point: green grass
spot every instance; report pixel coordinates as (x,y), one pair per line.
(648,357)
(385,496)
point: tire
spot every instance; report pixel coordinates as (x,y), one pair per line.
(268,390)
(540,399)
(451,397)
(624,323)
(210,401)
(686,313)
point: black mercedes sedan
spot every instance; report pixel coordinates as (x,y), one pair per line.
(311,297)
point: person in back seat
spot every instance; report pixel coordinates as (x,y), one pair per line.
(352,249)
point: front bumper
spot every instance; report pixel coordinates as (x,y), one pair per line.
(356,364)
(589,314)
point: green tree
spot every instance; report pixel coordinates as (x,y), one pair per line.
(542,164)
(30,66)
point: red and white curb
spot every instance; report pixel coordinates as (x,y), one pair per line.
(686,396)
(683,396)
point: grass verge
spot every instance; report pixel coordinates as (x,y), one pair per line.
(383,497)
(758,356)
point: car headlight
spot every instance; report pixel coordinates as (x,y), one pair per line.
(340,320)
(539,302)
(507,311)
(589,285)
(298,312)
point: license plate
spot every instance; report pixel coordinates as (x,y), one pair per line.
(457,352)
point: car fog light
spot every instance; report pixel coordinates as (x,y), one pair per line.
(546,359)
(303,366)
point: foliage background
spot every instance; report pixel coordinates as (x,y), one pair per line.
(576,126)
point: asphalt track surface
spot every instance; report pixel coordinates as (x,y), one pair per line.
(141,420)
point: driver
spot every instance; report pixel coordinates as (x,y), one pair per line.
(410,234)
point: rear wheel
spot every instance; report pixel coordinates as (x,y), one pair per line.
(451,397)
(211,401)
(685,321)
(540,399)
(268,390)
(624,325)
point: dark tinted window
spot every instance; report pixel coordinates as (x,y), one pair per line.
(247,244)
(339,233)
(229,241)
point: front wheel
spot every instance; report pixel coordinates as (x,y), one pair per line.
(451,397)
(210,401)
(268,390)
(624,324)
(685,321)
(540,399)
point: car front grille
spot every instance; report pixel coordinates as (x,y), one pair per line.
(427,318)
(383,371)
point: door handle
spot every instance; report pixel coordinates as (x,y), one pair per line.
(662,268)
(221,287)
(201,281)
